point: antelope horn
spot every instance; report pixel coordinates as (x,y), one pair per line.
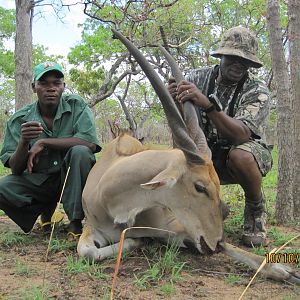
(189,110)
(175,121)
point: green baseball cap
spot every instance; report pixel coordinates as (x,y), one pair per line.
(45,67)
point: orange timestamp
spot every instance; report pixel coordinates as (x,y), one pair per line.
(289,258)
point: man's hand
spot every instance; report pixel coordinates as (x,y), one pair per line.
(172,88)
(18,161)
(188,91)
(34,154)
(30,130)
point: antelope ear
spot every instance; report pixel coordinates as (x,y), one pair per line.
(165,179)
(157,184)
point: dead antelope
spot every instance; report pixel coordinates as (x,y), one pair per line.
(176,190)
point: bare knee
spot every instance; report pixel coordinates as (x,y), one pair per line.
(240,161)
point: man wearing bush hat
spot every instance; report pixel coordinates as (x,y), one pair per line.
(42,140)
(233,106)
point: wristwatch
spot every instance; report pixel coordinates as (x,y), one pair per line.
(209,109)
(214,104)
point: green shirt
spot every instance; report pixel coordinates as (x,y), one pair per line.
(73,119)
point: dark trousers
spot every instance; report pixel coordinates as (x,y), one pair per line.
(23,201)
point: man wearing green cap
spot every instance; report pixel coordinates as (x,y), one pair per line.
(231,105)
(42,142)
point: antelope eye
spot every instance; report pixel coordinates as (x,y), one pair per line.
(200,188)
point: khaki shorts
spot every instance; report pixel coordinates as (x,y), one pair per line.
(260,152)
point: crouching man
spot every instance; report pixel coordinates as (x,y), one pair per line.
(42,140)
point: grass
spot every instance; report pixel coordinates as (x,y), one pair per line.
(4,171)
(259,250)
(278,237)
(164,264)
(35,293)
(10,239)
(58,245)
(233,279)
(23,269)
(83,265)
(168,289)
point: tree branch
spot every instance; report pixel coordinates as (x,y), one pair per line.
(106,90)
(132,124)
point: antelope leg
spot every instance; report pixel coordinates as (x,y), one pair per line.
(276,271)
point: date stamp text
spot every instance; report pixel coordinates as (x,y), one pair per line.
(287,258)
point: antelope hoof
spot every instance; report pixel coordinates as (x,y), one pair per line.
(281,272)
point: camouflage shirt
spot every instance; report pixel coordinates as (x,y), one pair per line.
(250,105)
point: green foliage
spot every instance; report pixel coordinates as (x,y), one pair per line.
(278,237)
(233,196)
(6,102)
(10,239)
(269,187)
(7,32)
(3,170)
(290,298)
(35,293)
(96,48)
(75,266)
(58,245)
(106,294)
(195,25)
(23,269)
(273,117)
(168,289)
(39,55)
(192,26)
(83,265)
(164,264)
(234,223)
(86,82)
(95,51)
(259,250)
(270,181)
(101,45)
(7,66)
(233,279)
(7,24)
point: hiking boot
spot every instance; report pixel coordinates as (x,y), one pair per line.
(254,224)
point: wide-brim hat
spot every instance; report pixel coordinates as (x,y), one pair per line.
(241,42)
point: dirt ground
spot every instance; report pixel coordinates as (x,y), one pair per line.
(209,277)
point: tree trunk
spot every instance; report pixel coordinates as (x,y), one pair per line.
(284,203)
(23,53)
(294,43)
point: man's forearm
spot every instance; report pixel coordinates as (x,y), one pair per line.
(233,130)
(65,143)
(18,161)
